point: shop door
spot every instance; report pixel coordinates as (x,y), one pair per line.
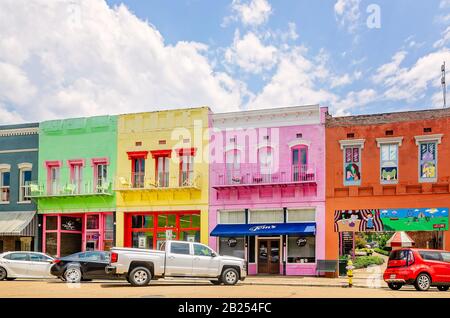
(268,256)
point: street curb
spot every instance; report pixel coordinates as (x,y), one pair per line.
(343,285)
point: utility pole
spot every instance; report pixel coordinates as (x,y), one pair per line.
(444,88)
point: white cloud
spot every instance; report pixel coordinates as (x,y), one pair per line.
(250,12)
(348,13)
(346,79)
(444,4)
(411,84)
(250,54)
(294,83)
(354,99)
(386,71)
(444,40)
(59,61)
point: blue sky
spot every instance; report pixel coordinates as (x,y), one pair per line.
(90,57)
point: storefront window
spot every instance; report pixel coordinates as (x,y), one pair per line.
(70,243)
(142,240)
(109,232)
(51,244)
(51,223)
(301,249)
(92,222)
(232,246)
(301,215)
(267,216)
(190,236)
(232,217)
(167,220)
(189,221)
(70,223)
(167,226)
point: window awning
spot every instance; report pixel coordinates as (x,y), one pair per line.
(18,223)
(264,229)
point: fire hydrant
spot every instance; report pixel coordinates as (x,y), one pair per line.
(350,268)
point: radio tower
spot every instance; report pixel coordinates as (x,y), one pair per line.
(444,88)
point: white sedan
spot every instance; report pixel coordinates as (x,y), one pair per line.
(25,265)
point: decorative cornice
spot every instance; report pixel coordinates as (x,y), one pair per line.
(19,131)
(230,147)
(425,138)
(389,140)
(5,167)
(137,154)
(352,142)
(161,153)
(278,117)
(25,165)
(298,142)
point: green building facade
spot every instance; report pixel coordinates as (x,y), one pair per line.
(77,163)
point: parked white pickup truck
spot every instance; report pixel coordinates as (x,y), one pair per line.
(175,259)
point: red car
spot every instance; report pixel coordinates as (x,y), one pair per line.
(422,268)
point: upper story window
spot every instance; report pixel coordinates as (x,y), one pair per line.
(186,166)
(5,179)
(428,157)
(352,165)
(265,160)
(53,173)
(138,168)
(299,162)
(24,182)
(389,153)
(101,182)
(76,176)
(352,149)
(301,215)
(233,166)
(389,163)
(162,164)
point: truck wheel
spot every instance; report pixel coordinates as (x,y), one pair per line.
(423,282)
(230,276)
(140,276)
(442,288)
(216,282)
(3,273)
(395,286)
(73,274)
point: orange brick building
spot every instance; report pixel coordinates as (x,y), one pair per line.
(388,172)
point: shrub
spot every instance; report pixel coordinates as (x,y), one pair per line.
(365,251)
(360,242)
(383,252)
(365,261)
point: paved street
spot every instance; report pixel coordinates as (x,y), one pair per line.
(194,289)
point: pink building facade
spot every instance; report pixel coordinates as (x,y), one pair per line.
(267,188)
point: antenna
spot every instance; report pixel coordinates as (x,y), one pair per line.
(444,88)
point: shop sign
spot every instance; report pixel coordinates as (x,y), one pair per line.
(142,241)
(232,242)
(378,220)
(262,228)
(169,234)
(301,241)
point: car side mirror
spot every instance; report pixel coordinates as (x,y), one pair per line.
(213,255)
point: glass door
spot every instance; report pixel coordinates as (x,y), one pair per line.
(268,256)
(92,242)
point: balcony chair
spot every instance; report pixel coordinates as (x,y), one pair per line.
(35,189)
(103,187)
(124,183)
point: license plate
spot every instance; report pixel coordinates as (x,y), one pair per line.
(393,276)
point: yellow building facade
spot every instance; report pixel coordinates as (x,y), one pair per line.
(162,179)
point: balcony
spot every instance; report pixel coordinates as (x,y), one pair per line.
(164,182)
(254,176)
(56,190)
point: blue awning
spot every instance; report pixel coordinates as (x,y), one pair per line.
(264,229)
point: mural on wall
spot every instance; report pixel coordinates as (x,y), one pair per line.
(352,171)
(428,160)
(357,220)
(389,173)
(425,219)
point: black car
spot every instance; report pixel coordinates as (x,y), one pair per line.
(82,266)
